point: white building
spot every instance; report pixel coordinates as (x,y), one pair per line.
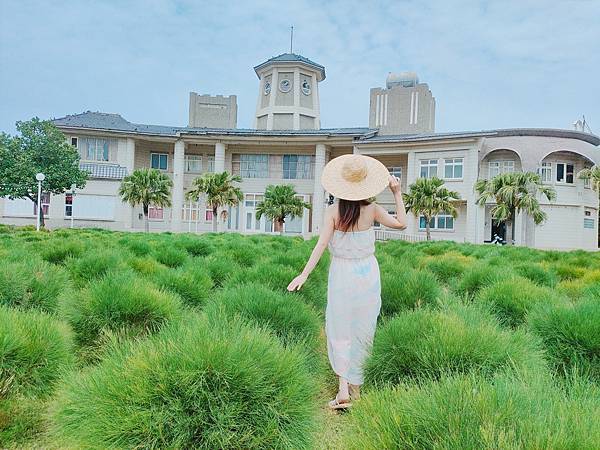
(289,146)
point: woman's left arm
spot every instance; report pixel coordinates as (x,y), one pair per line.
(315,256)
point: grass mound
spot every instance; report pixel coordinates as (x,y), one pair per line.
(571,335)
(198,385)
(480,275)
(192,282)
(407,288)
(290,320)
(34,349)
(455,339)
(59,250)
(119,302)
(469,412)
(94,264)
(170,256)
(513,298)
(447,267)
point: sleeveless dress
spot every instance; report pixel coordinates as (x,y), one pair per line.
(353,302)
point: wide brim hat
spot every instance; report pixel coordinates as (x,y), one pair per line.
(354,177)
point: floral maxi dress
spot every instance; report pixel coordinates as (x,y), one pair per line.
(353,302)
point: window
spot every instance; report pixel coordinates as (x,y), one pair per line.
(155,213)
(440,222)
(545,172)
(191,211)
(68,205)
(564,173)
(396,171)
(93,149)
(429,168)
(298,167)
(74,142)
(45,201)
(498,167)
(208,214)
(211,164)
(453,168)
(587,183)
(158,161)
(250,166)
(193,163)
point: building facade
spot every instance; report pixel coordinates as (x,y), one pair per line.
(112,147)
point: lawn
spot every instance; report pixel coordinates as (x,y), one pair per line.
(183,341)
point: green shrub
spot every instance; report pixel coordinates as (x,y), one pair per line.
(145,265)
(478,276)
(456,339)
(58,250)
(511,299)
(34,349)
(246,255)
(292,321)
(119,302)
(13,284)
(202,385)
(406,288)
(536,273)
(446,267)
(21,421)
(220,268)
(192,282)
(94,264)
(467,412)
(137,246)
(170,256)
(567,271)
(197,246)
(275,276)
(571,335)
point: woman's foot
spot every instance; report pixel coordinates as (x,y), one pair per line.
(340,403)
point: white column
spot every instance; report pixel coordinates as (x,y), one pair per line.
(177,200)
(411,226)
(129,162)
(220,157)
(318,194)
(355,150)
(475,223)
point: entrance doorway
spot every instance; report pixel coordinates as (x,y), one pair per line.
(498,231)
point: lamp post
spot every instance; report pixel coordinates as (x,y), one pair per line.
(39,177)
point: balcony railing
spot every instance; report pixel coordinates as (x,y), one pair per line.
(387,235)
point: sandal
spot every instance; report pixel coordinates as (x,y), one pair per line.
(339,403)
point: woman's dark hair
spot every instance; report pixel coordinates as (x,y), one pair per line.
(349,211)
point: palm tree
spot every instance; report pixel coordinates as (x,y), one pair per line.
(593,175)
(514,192)
(146,187)
(428,197)
(219,191)
(280,202)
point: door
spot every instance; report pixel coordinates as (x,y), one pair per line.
(498,231)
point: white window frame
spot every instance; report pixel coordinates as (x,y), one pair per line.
(500,166)
(304,167)
(545,172)
(587,182)
(69,206)
(83,150)
(249,165)
(210,164)
(166,155)
(564,181)
(156,219)
(436,222)
(428,165)
(396,171)
(454,163)
(192,158)
(75,141)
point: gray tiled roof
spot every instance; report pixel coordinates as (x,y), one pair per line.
(110,171)
(292,58)
(114,122)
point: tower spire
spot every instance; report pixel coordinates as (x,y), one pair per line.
(292,39)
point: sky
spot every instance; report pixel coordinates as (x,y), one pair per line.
(489,64)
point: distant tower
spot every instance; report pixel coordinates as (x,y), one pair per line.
(207,111)
(404,107)
(288,93)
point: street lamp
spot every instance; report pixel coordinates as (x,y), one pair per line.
(39,177)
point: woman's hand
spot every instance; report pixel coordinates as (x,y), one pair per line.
(394,184)
(297,283)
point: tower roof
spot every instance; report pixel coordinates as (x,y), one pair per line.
(293,59)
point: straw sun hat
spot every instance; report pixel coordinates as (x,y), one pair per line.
(354,177)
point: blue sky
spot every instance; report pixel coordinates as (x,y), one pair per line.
(495,64)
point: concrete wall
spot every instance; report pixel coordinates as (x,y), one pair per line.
(212,111)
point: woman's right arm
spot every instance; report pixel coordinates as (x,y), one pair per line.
(384,218)
(324,238)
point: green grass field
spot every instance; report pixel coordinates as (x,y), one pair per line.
(116,340)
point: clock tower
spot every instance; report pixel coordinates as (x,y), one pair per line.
(288,95)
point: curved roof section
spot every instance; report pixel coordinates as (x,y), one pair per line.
(115,122)
(292,58)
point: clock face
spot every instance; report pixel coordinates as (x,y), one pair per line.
(285,85)
(267,87)
(305,87)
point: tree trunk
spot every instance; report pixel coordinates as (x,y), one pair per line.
(41,212)
(428,228)
(146,221)
(279,226)
(215,222)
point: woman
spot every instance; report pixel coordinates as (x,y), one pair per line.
(354,286)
